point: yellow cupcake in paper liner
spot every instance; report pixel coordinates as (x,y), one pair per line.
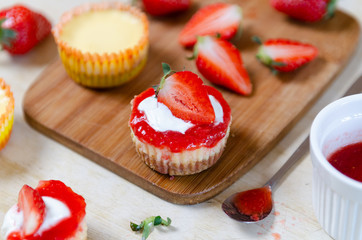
(6,113)
(103,44)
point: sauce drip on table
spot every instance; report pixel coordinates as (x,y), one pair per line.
(348,160)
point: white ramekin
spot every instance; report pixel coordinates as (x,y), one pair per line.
(337,199)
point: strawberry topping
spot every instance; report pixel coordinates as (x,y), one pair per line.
(220,62)
(185,95)
(200,135)
(33,208)
(76,204)
(219,18)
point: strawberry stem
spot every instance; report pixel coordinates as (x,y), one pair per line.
(257,40)
(331,8)
(166,68)
(196,48)
(166,73)
(6,35)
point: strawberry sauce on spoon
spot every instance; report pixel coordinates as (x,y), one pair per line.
(256,204)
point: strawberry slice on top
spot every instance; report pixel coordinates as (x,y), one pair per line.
(221,63)
(216,19)
(285,55)
(186,96)
(33,207)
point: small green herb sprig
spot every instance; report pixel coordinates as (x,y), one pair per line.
(146,225)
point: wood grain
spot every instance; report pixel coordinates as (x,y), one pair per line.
(94,122)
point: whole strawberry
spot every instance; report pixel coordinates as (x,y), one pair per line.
(285,55)
(306,10)
(21,29)
(164,7)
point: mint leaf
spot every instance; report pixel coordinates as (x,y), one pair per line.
(146,225)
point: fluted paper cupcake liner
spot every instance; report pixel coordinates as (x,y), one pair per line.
(183,163)
(107,69)
(7,118)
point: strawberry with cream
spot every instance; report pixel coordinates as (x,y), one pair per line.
(50,211)
(182,127)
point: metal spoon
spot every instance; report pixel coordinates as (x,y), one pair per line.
(232,206)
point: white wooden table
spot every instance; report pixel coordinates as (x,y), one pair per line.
(113,202)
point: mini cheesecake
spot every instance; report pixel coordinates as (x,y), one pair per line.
(172,145)
(50,211)
(103,44)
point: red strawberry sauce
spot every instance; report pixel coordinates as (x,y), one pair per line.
(348,160)
(201,135)
(254,203)
(68,227)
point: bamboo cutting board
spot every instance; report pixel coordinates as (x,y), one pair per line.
(95,122)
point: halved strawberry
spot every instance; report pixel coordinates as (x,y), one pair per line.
(285,55)
(219,18)
(33,207)
(220,62)
(186,97)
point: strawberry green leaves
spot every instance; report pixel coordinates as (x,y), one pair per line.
(146,225)
(6,35)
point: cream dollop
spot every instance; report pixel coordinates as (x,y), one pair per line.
(160,118)
(55,212)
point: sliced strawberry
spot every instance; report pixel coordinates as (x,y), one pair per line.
(306,10)
(220,62)
(186,97)
(164,7)
(220,18)
(286,55)
(33,207)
